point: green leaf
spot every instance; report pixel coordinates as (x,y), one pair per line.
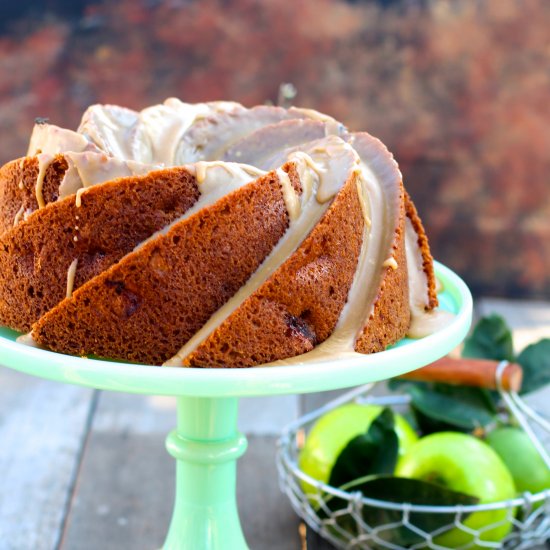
(452,407)
(535,362)
(397,490)
(374,452)
(490,339)
(403,384)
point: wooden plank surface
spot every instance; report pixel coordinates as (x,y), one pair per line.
(124,494)
(42,428)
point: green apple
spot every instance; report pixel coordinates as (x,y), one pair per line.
(465,464)
(334,430)
(528,469)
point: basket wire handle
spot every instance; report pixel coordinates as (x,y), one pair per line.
(521,411)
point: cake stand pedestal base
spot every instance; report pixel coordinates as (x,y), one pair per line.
(206,445)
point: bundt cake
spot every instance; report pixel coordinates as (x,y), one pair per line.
(211,235)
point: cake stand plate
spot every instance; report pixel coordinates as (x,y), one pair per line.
(206,443)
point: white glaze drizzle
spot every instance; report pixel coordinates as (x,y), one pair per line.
(19,215)
(155,134)
(203,171)
(87,169)
(307,170)
(51,139)
(21,173)
(418,281)
(358,307)
(215,180)
(423,322)
(429,322)
(109,127)
(44,161)
(363,201)
(312,114)
(152,135)
(47,141)
(27,340)
(78,197)
(291,198)
(71,272)
(332,126)
(164,126)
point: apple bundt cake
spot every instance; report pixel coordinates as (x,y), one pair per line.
(210,235)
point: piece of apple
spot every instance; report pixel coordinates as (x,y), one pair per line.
(528,469)
(334,430)
(463,463)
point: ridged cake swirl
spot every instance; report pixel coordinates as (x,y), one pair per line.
(211,235)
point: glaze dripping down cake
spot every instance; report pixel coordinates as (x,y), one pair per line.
(211,235)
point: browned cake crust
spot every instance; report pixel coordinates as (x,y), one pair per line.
(390,317)
(427,259)
(299,305)
(145,307)
(113,218)
(17,187)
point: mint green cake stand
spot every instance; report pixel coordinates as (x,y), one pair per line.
(206,443)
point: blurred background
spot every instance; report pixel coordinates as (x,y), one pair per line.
(458,90)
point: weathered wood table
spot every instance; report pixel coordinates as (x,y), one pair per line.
(82,469)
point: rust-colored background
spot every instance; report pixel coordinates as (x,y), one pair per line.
(458,90)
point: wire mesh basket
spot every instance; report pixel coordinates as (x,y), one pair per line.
(366,523)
